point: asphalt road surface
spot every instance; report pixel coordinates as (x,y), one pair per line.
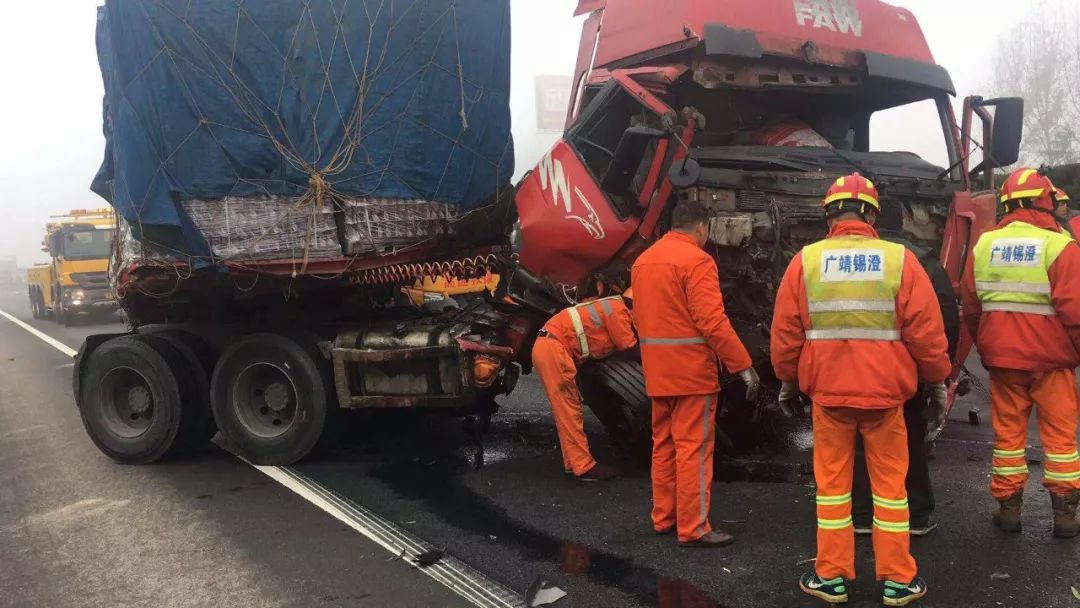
(79,530)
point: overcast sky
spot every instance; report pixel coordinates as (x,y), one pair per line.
(52,142)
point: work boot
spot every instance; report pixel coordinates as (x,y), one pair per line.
(902,594)
(1065,524)
(599,472)
(833,591)
(711,540)
(1007,519)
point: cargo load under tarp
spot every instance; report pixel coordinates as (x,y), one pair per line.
(281,129)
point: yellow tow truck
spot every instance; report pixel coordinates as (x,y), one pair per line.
(75,281)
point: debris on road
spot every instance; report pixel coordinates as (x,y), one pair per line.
(1075,592)
(974,458)
(540,594)
(429,558)
(806,561)
(1000,576)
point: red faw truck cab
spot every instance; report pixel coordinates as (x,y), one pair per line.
(753,107)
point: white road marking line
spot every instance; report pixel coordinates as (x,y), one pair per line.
(60,346)
(451,572)
(454,574)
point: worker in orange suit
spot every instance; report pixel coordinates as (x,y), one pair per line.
(680,318)
(1061,212)
(593,330)
(1021,296)
(856,326)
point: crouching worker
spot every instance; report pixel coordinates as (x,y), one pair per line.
(593,330)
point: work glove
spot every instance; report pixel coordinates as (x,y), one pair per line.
(753,383)
(937,410)
(789,400)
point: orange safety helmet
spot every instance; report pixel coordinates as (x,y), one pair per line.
(1060,196)
(1029,185)
(855,188)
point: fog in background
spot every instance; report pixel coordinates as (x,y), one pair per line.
(52,145)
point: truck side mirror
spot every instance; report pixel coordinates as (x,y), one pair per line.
(631,149)
(1007,132)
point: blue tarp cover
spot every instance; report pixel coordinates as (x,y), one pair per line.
(212,98)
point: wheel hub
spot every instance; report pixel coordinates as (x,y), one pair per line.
(138,399)
(277,396)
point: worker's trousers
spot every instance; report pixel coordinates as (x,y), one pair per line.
(885,440)
(555,366)
(920,489)
(684,435)
(1012,395)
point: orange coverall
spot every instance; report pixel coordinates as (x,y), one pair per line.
(859,386)
(679,314)
(1032,359)
(607,328)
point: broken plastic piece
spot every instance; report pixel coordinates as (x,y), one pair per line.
(540,594)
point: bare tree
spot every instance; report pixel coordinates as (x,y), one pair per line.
(1039,60)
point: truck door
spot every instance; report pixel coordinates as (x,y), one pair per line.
(588,195)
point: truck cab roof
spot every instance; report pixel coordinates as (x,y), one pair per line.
(883,39)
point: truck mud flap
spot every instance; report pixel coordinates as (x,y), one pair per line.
(88,346)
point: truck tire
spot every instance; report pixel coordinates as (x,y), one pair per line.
(133,396)
(614,389)
(34,310)
(197,426)
(273,398)
(59,314)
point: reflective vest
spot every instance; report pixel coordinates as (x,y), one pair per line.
(1011,268)
(590,308)
(851,288)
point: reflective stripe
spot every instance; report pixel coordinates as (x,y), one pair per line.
(1074,457)
(886,335)
(1013,287)
(579,329)
(888,503)
(1036,193)
(840,499)
(672,341)
(1009,471)
(852,305)
(606,304)
(706,424)
(892,526)
(1054,476)
(834,524)
(593,314)
(1010,453)
(1045,310)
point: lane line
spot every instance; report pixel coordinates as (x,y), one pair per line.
(456,575)
(60,346)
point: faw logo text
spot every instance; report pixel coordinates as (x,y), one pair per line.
(556,184)
(840,16)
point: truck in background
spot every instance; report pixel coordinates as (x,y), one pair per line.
(74,283)
(752,106)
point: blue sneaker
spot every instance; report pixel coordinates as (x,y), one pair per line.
(833,591)
(899,594)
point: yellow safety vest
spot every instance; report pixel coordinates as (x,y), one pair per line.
(851,288)
(1011,268)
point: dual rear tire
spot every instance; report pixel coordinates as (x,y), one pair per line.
(146,397)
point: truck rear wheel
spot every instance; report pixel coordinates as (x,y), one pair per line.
(34,310)
(614,389)
(133,396)
(197,426)
(273,398)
